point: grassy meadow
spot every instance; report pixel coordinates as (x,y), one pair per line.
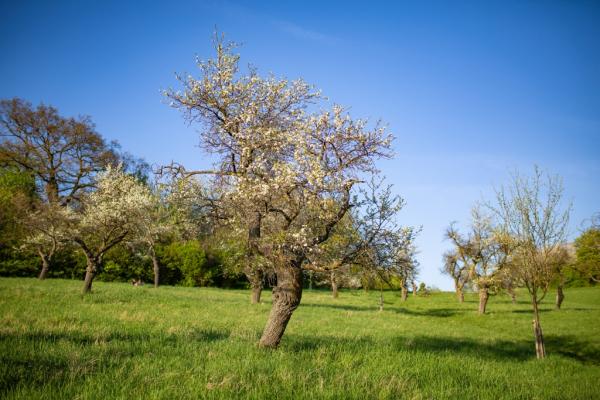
(138,342)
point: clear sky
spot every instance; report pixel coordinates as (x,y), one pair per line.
(472,90)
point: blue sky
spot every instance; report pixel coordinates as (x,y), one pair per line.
(472,90)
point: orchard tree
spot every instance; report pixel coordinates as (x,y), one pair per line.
(63,154)
(531,212)
(47,226)
(107,216)
(173,214)
(587,251)
(288,173)
(484,252)
(456,267)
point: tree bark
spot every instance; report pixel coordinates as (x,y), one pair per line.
(483,299)
(45,267)
(256,292)
(91,270)
(334,285)
(404,292)
(513,295)
(459,293)
(286,298)
(90,273)
(414,289)
(256,278)
(156,269)
(540,348)
(560,296)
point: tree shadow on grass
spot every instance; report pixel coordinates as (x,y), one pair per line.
(519,350)
(80,338)
(434,312)
(522,350)
(345,307)
(39,369)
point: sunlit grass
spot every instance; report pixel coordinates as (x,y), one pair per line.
(139,342)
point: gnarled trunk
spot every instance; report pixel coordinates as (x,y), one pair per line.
(45,267)
(286,298)
(334,285)
(483,299)
(540,348)
(404,292)
(560,296)
(90,273)
(156,269)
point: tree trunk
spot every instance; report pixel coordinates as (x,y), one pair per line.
(45,267)
(513,295)
(414,288)
(90,273)
(381,298)
(483,299)
(256,278)
(459,293)
(256,292)
(404,292)
(156,269)
(540,348)
(560,296)
(286,298)
(334,285)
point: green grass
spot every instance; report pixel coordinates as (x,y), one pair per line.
(138,342)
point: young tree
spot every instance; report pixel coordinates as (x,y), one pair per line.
(288,174)
(63,154)
(108,216)
(531,213)
(47,226)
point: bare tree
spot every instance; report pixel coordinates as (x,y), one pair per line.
(531,212)
(289,174)
(63,154)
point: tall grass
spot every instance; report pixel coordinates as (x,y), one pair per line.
(139,342)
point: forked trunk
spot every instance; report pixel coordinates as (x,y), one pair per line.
(45,267)
(560,296)
(334,285)
(540,348)
(286,298)
(404,292)
(483,299)
(256,292)
(156,270)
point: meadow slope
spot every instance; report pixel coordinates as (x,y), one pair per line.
(133,342)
